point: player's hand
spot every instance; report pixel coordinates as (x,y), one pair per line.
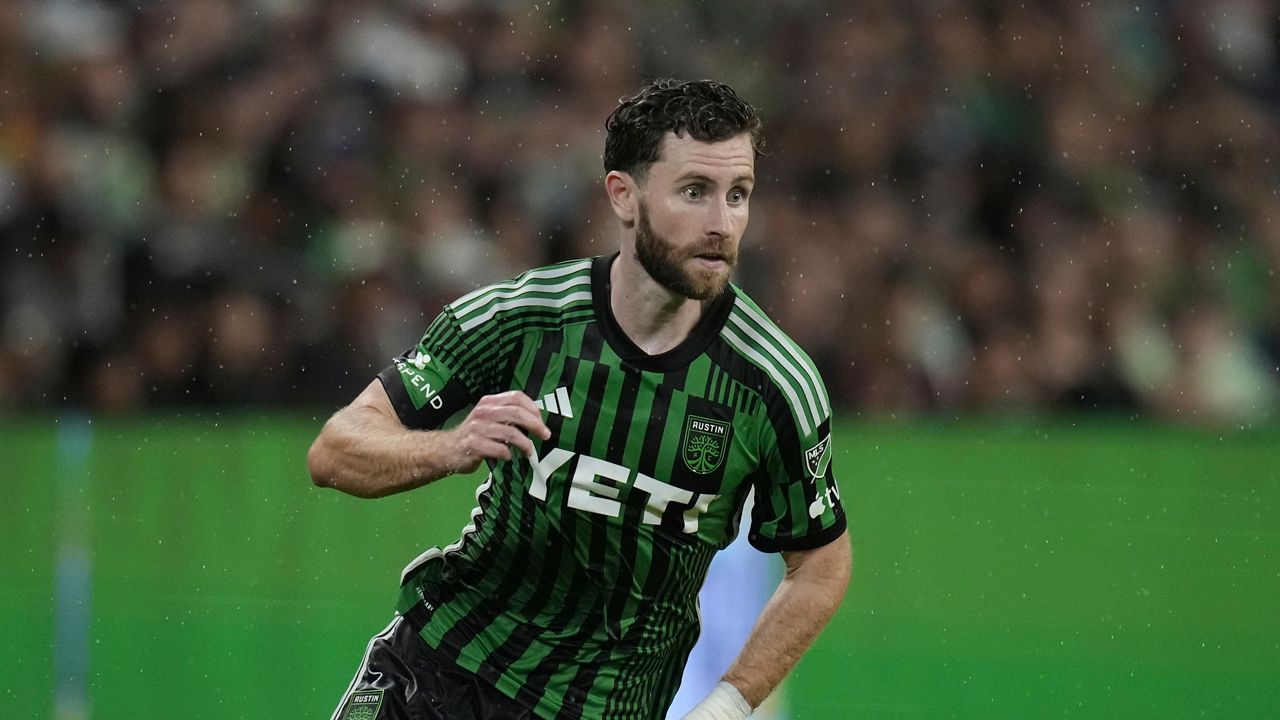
(723,703)
(497,426)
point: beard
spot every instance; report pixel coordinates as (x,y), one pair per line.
(665,262)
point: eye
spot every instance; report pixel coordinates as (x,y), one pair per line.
(737,195)
(693,192)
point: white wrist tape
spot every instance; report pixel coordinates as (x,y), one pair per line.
(723,703)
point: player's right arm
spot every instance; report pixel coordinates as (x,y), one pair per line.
(365,450)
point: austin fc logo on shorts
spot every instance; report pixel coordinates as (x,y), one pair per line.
(363,705)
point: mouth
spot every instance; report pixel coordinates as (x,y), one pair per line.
(712,257)
(712,262)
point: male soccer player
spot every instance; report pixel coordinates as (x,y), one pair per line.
(625,406)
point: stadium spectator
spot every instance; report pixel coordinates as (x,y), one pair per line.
(1049,206)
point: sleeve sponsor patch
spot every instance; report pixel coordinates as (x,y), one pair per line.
(424,378)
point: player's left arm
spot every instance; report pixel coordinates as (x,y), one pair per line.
(797,512)
(809,594)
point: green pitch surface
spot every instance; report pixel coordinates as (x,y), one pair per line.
(1029,571)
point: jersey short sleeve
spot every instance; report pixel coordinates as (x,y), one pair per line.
(468,350)
(797,502)
(443,373)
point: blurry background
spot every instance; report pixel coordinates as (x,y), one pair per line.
(1032,247)
(967,205)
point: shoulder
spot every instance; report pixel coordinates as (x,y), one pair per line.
(758,339)
(552,289)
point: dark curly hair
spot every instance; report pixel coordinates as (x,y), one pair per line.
(708,111)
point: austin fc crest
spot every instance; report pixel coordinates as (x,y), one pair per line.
(363,705)
(705,444)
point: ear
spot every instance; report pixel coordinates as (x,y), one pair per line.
(624,196)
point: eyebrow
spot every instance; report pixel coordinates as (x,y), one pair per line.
(741,179)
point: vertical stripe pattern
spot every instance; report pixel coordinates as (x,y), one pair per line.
(574,588)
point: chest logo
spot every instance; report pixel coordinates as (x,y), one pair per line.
(705,443)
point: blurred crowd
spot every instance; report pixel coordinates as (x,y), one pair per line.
(966,205)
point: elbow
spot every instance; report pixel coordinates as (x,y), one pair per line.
(326,467)
(833,586)
(318,464)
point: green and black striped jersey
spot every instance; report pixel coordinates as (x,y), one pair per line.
(574,589)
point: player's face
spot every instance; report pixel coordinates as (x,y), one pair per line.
(693,211)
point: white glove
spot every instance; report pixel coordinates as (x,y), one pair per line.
(724,703)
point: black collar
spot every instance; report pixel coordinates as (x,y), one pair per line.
(708,327)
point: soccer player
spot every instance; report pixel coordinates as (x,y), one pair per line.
(625,406)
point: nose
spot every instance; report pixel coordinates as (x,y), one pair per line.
(721,218)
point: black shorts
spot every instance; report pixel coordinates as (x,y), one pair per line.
(403,678)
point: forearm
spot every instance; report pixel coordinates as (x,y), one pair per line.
(365,451)
(360,453)
(801,606)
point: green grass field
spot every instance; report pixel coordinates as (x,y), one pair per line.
(1034,570)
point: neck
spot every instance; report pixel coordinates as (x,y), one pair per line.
(653,317)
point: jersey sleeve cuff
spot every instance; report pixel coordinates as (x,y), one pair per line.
(400,400)
(808,541)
